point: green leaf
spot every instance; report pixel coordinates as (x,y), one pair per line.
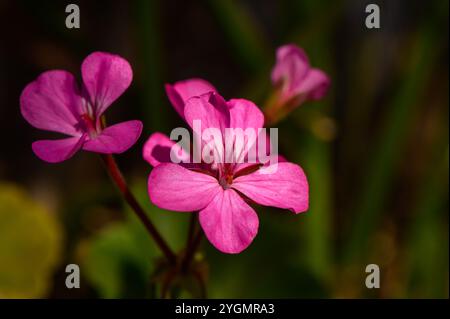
(116,265)
(30,245)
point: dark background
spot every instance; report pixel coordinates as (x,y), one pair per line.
(375,149)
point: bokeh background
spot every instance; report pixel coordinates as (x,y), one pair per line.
(375,149)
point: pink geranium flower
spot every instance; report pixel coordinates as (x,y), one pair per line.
(295,79)
(181,91)
(54,102)
(221,192)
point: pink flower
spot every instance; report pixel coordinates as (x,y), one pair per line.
(54,102)
(181,91)
(296,80)
(221,192)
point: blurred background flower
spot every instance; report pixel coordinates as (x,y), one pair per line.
(375,149)
(294,81)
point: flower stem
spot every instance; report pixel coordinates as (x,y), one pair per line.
(191,230)
(119,180)
(192,246)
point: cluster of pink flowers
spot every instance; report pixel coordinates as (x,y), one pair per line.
(222,192)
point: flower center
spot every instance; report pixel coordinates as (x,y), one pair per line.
(226,181)
(89,124)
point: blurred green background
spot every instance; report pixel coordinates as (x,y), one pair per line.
(375,150)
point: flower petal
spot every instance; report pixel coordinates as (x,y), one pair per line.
(158,147)
(181,91)
(229,222)
(106,76)
(115,139)
(284,186)
(173,187)
(210,108)
(208,112)
(52,102)
(55,151)
(315,85)
(291,67)
(245,114)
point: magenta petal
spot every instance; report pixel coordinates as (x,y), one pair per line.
(52,102)
(229,223)
(269,151)
(315,85)
(245,114)
(55,151)
(210,109)
(287,187)
(181,91)
(158,147)
(173,187)
(290,50)
(291,67)
(105,76)
(115,139)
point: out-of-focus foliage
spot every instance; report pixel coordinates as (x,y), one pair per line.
(30,244)
(375,149)
(120,259)
(117,263)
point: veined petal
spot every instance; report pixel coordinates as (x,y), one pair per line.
(116,138)
(315,85)
(245,121)
(181,91)
(210,108)
(52,102)
(284,186)
(173,187)
(243,168)
(245,114)
(229,223)
(106,76)
(158,147)
(208,112)
(291,67)
(55,151)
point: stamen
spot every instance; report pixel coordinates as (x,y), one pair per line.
(89,124)
(226,181)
